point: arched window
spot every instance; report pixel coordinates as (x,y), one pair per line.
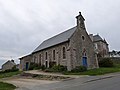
(40,59)
(34,59)
(53,54)
(46,56)
(64,53)
(83,38)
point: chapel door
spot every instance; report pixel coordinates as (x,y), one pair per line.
(84,61)
(27,65)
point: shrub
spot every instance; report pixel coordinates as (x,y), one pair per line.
(9,70)
(56,68)
(62,68)
(34,66)
(79,69)
(31,66)
(43,67)
(59,68)
(51,64)
(106,62)
(14,69)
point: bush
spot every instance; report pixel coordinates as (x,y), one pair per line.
(51,64)
(79,69)
(57,68)
(106,62)
(31,66)
(14,69)
(9,70)
(62,68)
(34,66)
(43,67)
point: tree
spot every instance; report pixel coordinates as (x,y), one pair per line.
(118,53)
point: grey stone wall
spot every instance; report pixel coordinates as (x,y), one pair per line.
(79,42)
(7,66)
(24,60)
(102,48)
(58,55)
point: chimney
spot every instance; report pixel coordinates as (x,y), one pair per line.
(12,60)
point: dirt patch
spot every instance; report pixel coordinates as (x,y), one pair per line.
(43,77)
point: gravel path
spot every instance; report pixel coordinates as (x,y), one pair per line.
(26,84)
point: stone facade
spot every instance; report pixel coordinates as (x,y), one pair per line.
(82,46)
(77,50)
(25,62)
(100,46)
(52,54)
(8,65)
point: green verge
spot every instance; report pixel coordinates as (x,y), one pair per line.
(9,74)
(99,71)
(6,86)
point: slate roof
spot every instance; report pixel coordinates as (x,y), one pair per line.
(97,38)
(9,62)
(60,38)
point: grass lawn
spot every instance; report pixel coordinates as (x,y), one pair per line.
(9,74)
(99,71)
(6,86)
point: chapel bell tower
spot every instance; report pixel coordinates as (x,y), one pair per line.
(80,21)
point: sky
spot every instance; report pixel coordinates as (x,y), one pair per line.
(24,24)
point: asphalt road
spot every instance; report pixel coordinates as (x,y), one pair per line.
(111,83)
(106,82)
(85,83)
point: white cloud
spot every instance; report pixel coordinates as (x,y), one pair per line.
(24,24)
